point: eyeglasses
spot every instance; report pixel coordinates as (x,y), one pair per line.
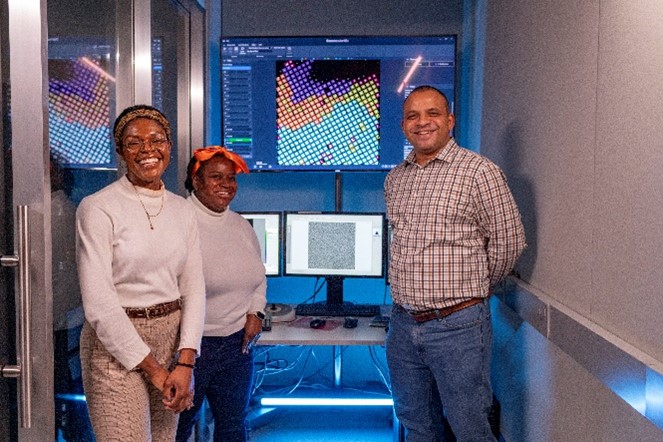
(136,144)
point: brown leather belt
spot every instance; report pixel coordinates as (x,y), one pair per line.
(428,315)
(154,311)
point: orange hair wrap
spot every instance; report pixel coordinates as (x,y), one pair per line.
(205,153)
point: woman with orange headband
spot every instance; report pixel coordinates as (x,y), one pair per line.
(235,284)
(141,280)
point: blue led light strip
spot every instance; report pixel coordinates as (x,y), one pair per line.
(325,402)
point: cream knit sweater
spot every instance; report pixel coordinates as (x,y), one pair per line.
(234,273)
(122,263)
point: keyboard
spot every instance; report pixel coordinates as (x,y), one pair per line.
(322,309)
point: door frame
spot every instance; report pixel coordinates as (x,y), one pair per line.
(28,71)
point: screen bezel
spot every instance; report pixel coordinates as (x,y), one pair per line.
(287,271)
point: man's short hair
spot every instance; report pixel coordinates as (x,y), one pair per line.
(426,87)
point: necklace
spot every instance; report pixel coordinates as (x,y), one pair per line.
(148,214)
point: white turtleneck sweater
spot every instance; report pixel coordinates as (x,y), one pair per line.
(123,263)
(234,272)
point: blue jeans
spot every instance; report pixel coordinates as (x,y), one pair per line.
(452,354)
(224,375)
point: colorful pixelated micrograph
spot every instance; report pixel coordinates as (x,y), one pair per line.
(78,111)
(328,112)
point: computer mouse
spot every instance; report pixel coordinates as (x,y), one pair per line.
(317,323)
(350,322)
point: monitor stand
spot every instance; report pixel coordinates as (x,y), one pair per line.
(334,289)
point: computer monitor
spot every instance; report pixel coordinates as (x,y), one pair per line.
(267,226)
(334,246)
(326,103)
(81,86)
(81,99)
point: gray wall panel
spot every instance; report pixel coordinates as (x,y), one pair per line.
(572,112)
(627,276)
(547,395)
(351,17)
(538,124)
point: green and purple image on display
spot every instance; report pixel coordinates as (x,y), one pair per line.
(328,112)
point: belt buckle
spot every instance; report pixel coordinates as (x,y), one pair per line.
(426,315)
(147,312)
(419,313)
(413,313)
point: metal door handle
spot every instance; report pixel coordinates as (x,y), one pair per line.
(23,369)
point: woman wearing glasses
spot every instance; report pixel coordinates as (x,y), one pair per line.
(235,284)
(140,272)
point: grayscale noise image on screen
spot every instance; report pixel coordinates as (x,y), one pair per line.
(328,112)
(334,244)
(331,245)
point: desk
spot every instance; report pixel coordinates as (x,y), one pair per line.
(286,333)
(283,333)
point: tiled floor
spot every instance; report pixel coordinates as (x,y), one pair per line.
(349,424)
(358,424)
(311,424)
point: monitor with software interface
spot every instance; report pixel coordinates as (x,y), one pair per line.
(326,103)
(267,226)
(335,246)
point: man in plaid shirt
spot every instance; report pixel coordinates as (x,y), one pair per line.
(456,233)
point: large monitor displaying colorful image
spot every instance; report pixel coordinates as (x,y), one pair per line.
(81,100)
(326,103)
(337,101)
(80,88)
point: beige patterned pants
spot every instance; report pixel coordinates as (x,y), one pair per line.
(123,405)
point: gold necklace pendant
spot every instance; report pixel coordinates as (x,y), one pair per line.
(148,214)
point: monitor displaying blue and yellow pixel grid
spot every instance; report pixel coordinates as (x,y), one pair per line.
(326,103)
(81,99)
(80,95)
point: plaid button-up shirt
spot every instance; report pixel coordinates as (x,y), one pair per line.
(456,228)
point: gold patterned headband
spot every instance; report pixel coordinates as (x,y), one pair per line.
(139,111)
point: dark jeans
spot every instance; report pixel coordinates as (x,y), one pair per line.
(224,376)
